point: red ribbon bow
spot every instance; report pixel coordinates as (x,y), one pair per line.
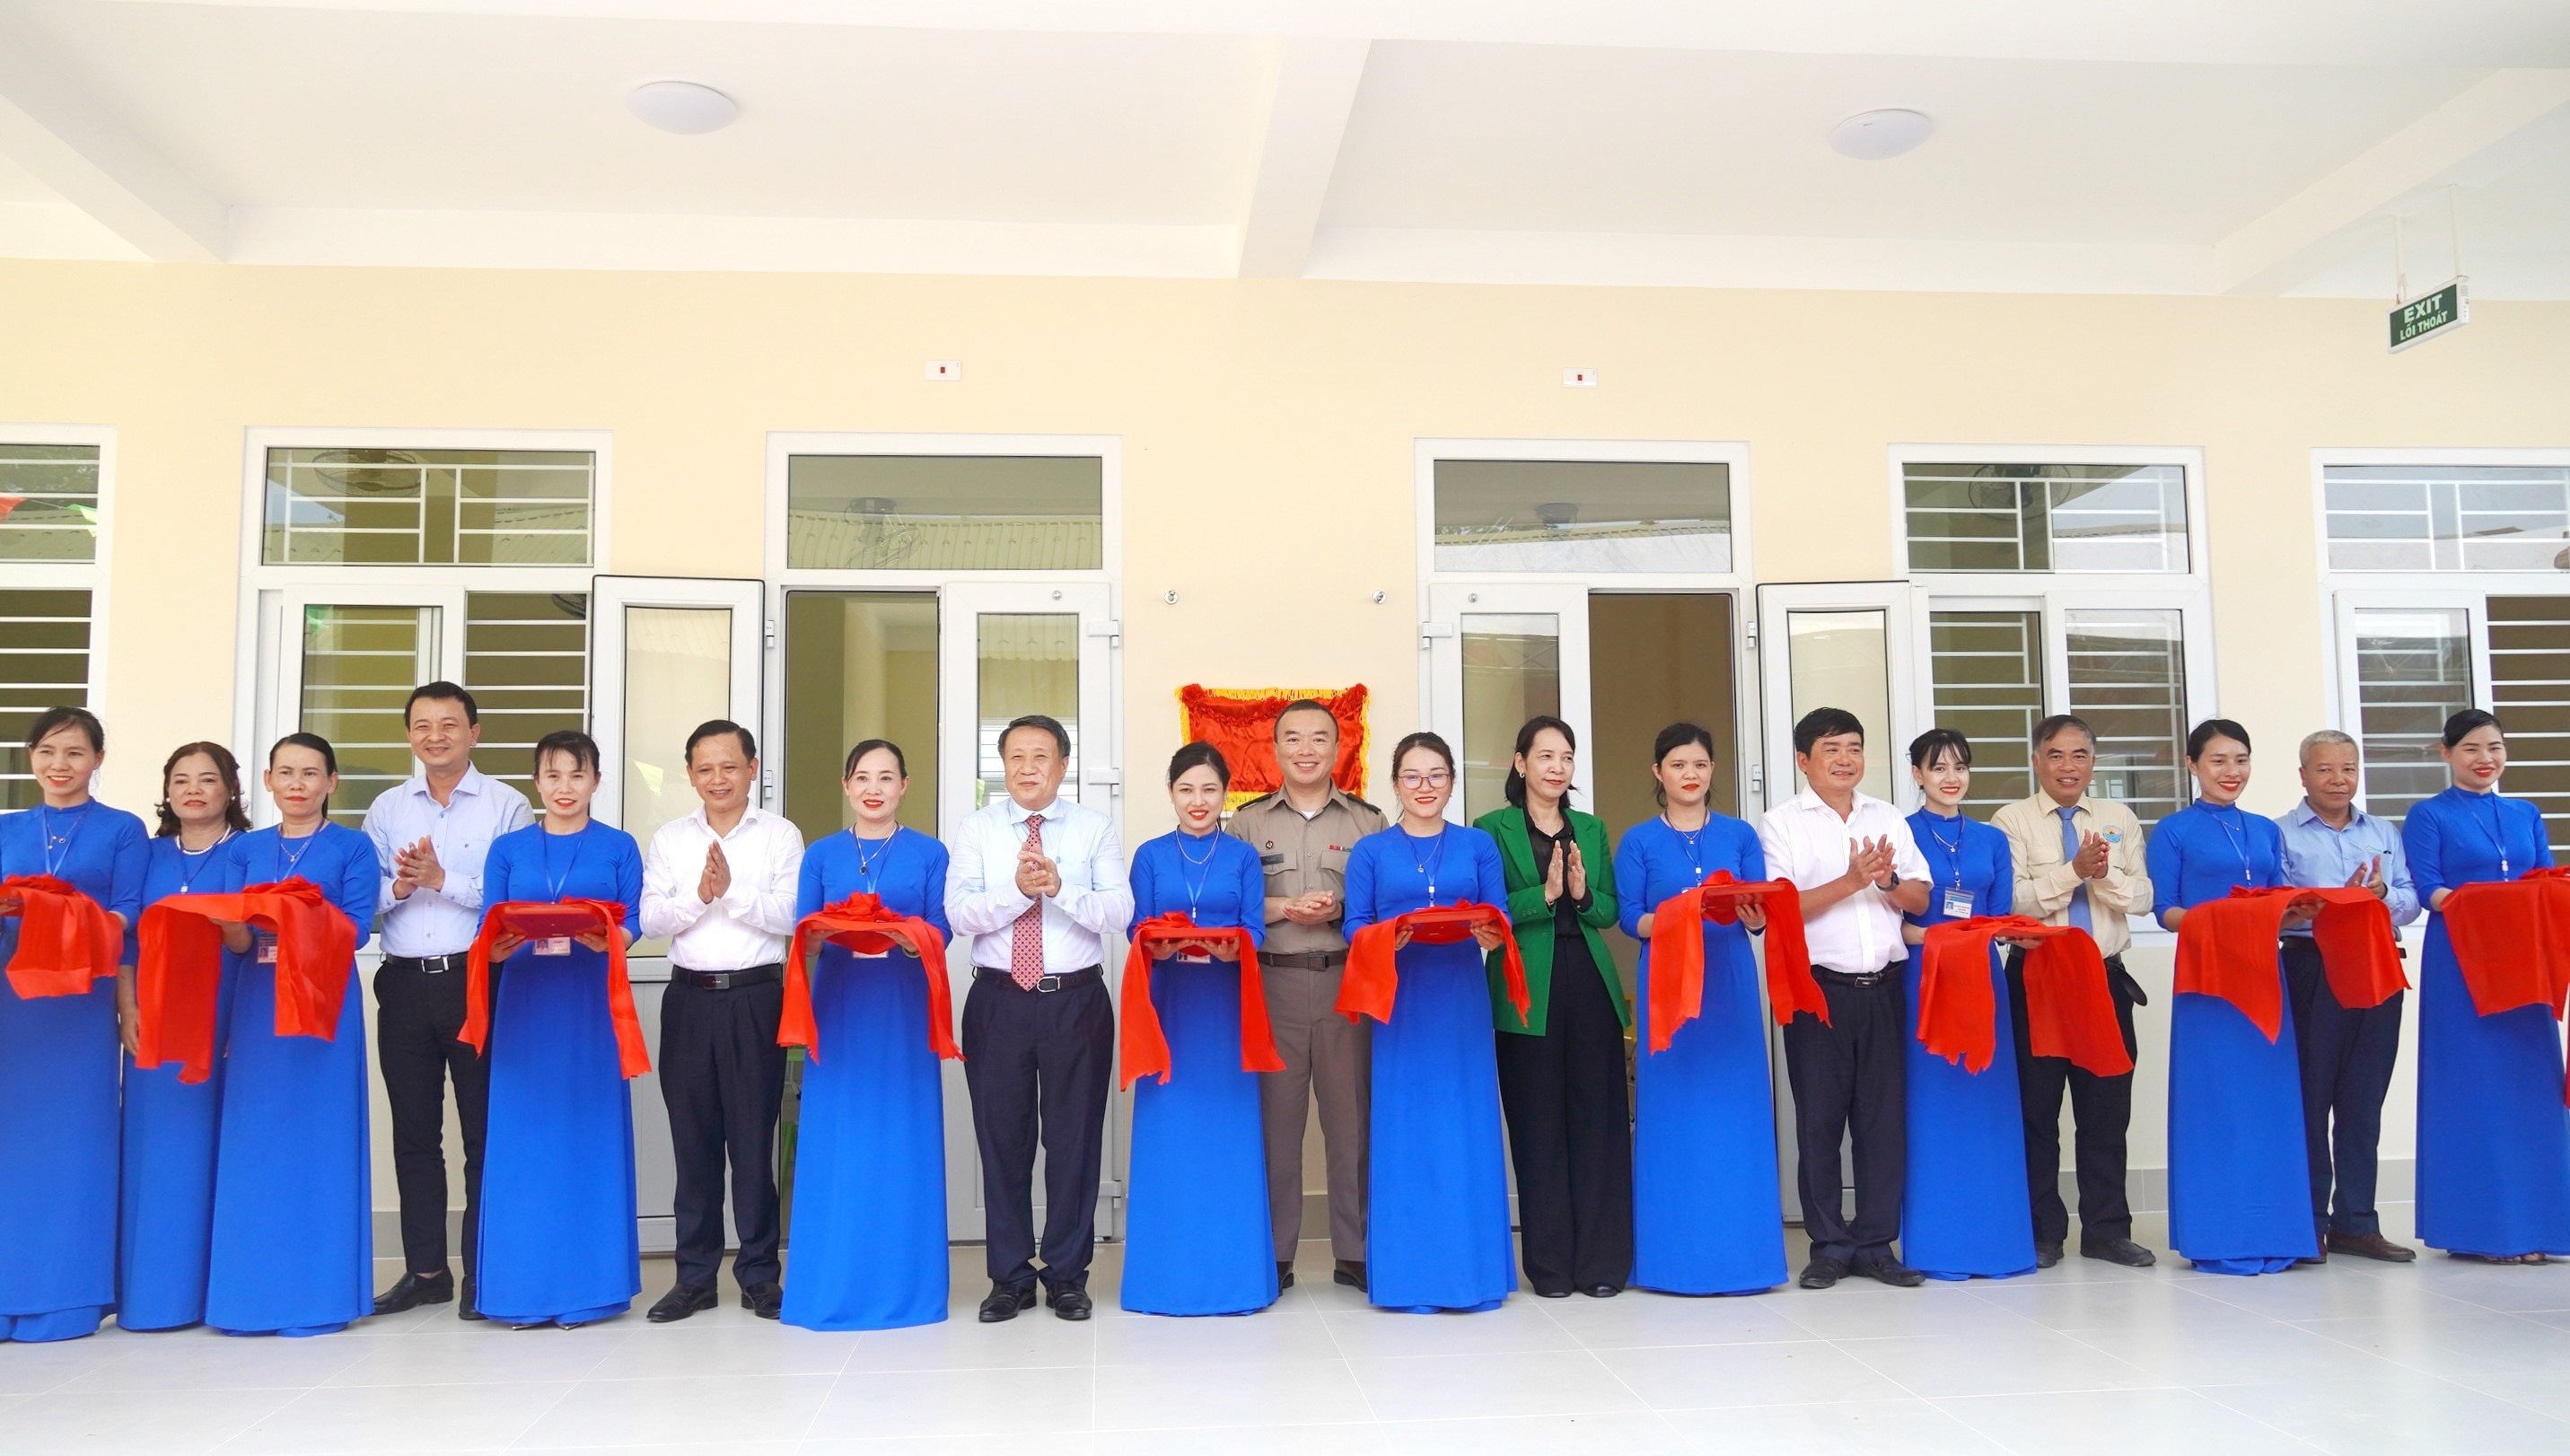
(66,940)
(2511,942)
(2069,1009)
(180,974)
(1143,1047)
(1677,961)
(546,920)
(865,926)
(2227,948)
(1372,978)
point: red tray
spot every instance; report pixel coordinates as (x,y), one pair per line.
(545,922)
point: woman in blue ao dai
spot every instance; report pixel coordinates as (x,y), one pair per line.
(294,1243)
(1964,1208)
(58,1054)
(1198,1239)
(2239,1190)
(1436,1235)
(1704,1114)
(870,1249)
(2493,1136)
(558,1238)
(167,1208)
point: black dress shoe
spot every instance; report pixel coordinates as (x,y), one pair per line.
(766,1300)
(2047,1253)
(1821,1272)
(1005,1300)
(413,1291)
(1553,1293)
(1068,1301)
(681,1302)
(1883,1268)
(470,1307)
(1603,1292)
(1284,1276)
(1351,1273)
(2118,1250)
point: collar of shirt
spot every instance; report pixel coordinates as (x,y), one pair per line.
(1018,813)
(749,815)
(471,785)
(2302,816)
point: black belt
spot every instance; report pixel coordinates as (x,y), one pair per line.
(1842,978)
(1309,960)
(1044,985)
(727,980)
(426,965)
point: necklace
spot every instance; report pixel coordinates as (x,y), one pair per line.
(1693,839)
(1436,859)
(2239,838)
(1954,850)
(868,866)
(1194,886)
(192,862)
(294,864)
(58,848)
(2496,829)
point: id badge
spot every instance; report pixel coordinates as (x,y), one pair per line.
(1957,904)
(554,945)
(267,950)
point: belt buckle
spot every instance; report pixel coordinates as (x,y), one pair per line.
(1046,985)
(718,980)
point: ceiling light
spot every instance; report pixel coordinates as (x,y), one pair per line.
(1876,135)
(683,107)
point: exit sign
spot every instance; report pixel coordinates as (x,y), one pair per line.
(2446,309)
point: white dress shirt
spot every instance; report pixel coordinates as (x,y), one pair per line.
(753,922)
(478,810)
(1808,843)
(982,899)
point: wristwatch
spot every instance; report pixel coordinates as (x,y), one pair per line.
(1893,885)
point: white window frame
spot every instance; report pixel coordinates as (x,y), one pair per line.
(263,628)
(90,576)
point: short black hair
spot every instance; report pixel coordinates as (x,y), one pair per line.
(1430,742)
(1301,705)
(54,720)
(1053,726)
(900,760)
(1824,722)
(717,727)
(1199,754)
(2059,723)
(1924,747)
(2209,729)
(2469,721)
(1515,787)
(444,691)
(582,747)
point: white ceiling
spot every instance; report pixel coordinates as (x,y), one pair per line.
(2188,145)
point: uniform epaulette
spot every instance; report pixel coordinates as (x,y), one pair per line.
(1361,804)
(1262,798)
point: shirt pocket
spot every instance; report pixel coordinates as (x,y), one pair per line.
(1334,867)
(1077,871)
(1281,866)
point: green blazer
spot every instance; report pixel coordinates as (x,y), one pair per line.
(1533,918)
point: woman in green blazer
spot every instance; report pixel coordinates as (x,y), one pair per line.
(1561,1069)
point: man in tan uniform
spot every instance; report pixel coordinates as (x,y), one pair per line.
(1303,833)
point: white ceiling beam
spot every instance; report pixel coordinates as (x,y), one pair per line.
(77,147)
(2487,130)
(1307,117)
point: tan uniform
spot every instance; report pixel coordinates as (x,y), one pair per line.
(1323,1053)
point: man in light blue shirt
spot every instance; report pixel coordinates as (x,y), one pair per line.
(431,832)
(2347,1054)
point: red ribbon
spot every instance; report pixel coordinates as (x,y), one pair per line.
(66,940)
(2227,948)
(1677,961)
(179,973)
(2070,1011)
(1372,978)
(2511,940)
(546,920)
(863,924)
(1143,1048)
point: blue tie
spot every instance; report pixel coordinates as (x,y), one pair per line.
(2071,851)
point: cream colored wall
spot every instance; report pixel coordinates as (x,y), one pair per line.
(1267,434)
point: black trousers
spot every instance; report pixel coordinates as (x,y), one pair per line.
(722,1075)
(1038,1064)
(1848,1080)
(2347,1073)
(417,1018)
(2102,1112)
(1570,1133)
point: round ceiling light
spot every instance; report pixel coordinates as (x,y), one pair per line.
(1877,136)
(683,107)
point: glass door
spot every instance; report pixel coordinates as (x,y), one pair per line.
(342,663)
(1496,656)
(1837,645)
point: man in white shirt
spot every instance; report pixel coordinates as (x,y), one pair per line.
(720,885)
(1854,861)
(1039,882)
(431,833)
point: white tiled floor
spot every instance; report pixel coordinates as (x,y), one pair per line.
(2355,1357)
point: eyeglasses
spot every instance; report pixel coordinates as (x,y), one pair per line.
(1434,778)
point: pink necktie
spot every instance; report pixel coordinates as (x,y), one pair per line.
(1026,937)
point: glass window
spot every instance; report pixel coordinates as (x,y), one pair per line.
(1029,663)
(1841,658)
(1583,515)
(677,674)
(47,503)
(2449,518)
(2045,518)
(1987,681)
(1512,673)
(2128,674)
(858,666)
(526,663)
(359,664)
(945,512)
(44,662)
(428,507)
(2529,647)
(2413,669)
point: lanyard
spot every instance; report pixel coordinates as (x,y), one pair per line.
(63,842)
(2496,829)
(870,869)
(1194,886)
(1435,862)
(2239,838)
(1953,851)
(554,882)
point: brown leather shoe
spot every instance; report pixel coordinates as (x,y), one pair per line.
(2372,1246)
